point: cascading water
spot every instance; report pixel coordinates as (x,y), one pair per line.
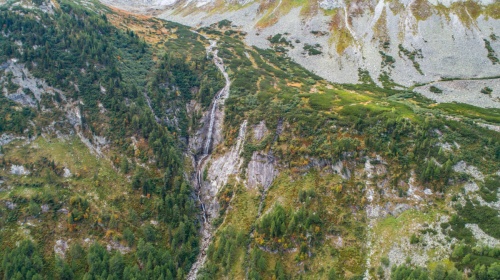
(223,93)
(200,161)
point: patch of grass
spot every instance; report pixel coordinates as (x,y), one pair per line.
(467,11)
(401,227)
(421,9)
(349,97)
(321,101)
(466,110)
(243,208)
(493,10)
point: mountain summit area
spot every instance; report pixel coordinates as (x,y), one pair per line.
(221,139)
(402,44)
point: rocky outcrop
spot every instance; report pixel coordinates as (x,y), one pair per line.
(30,88)
(259,131)
(463,167)
(7,138)
(483,238)
(465,91)
(227,165)
(419,254)
(261,171)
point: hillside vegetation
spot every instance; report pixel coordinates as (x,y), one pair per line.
(99,109)
(103,169)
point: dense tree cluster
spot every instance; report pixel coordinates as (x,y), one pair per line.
(107,70)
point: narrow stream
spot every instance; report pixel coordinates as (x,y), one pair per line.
(220,97)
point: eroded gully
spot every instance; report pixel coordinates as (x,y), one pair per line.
(218,101)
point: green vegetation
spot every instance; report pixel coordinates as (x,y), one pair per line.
(485,217)
(225,253)
(334,123)
(471,262)
(387,81)
(470,111)
(404,272)
(289,229)
(313,49)
(412,56)
(486,90)
(133,90)
(491,52)
(279,43)
(387,60)
(103,72)
(278,39)
(489,189)
(23,262)
(435,89)
(365,78)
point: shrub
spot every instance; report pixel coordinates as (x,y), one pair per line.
(313,49)
(435,89)
(486,90)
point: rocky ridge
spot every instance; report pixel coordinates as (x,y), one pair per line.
(408,43)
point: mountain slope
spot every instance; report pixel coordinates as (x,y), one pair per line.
(138,148)
(404,42)
(324,169)
(86,163)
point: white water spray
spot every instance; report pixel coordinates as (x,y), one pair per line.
(218,100)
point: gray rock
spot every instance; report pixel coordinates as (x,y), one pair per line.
(482,237)
(400,208)
(10,205)
(21,98)
(463,167)
(260,131)
(261,171)
(61,247)
(18,170)
(331,4)
(7,138)
(67,173)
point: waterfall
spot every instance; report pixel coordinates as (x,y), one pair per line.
(223,93)
(218,100)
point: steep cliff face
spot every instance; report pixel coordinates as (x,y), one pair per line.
(399,43)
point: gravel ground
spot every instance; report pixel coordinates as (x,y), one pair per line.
(465,92)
